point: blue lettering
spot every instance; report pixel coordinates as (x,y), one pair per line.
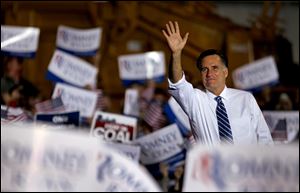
(119,173)
(72,162)
(15,153)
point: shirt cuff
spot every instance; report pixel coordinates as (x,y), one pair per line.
(178,83)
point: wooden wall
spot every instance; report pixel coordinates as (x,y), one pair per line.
(123,22)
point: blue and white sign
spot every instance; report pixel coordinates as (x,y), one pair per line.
(131,103)
(66,118)
(70,69)
(117,173)
(38,158)
(131,151)
(242,169)
(76,99)
(176,115)
(19,41)
(257,74)
(160,145)
(283,123)
(82,42)
(137,68)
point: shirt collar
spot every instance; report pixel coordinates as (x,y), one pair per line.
(224,94)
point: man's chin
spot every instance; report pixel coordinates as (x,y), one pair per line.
(209,86)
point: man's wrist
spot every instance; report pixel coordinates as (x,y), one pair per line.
(176,54)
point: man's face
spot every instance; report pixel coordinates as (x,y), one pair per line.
(214,73)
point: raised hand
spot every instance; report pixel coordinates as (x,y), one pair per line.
(175,41)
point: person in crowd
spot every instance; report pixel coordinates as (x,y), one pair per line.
(16,91)
(284,103)
(178,179)
(164,181)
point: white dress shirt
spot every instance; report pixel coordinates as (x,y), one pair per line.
(247,123)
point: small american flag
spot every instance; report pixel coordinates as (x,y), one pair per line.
(102,101)
(154,116)
(53,105)
(13,115)
(145,98)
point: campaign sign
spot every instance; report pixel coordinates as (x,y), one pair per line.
(242,169)
(36,159)
(138,68)
(160,145)
(70,69)
(284,125)
(76,99)
(257,74)
(114,127)
(66,118)
(175,114)
(82,42)
(117,173)
(131,104)
(19,41)
(130,151)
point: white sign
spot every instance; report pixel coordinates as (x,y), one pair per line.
(160,145)
(78,41)
(139,67)
(117,174)
(176,114)
(76,99)
(276,120)
(130,151)
(114,127)
(64,67)
(36,159)
(242,169)
(19,41)
(256,74)
(131,104)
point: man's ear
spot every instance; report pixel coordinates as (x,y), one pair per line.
(226,72)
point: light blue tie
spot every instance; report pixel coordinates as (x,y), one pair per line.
(223,122)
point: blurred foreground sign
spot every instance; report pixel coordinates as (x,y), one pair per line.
(242,169)
(131,151)
(38,159)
